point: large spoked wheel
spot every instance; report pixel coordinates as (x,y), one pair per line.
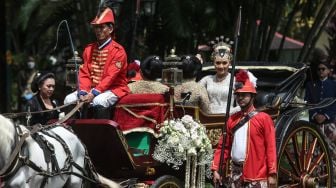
(167,181)
(304,159)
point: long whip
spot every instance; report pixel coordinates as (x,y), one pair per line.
(72,48)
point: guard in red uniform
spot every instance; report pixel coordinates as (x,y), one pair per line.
(103,76)
(250,142)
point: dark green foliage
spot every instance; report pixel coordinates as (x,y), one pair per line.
(181,24)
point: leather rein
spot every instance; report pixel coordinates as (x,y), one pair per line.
(16,160)
(20,114)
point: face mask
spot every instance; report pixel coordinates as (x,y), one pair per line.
(53,60)
(31,64)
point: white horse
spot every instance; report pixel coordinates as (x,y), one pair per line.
(29,169)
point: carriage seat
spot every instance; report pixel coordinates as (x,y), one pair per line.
(138,116)
(210,121)
(140,112)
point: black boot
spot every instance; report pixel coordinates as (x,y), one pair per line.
(101,112)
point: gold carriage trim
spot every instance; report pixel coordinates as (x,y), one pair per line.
(141,129)
(126,108)
(139,116)
(142,104)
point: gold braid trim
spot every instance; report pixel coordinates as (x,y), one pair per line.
(142,104)
(139,116)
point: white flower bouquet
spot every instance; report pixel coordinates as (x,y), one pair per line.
(180,139)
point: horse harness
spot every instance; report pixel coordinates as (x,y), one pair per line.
(19,158)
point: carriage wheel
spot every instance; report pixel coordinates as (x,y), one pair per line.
(167,181)
(304,159)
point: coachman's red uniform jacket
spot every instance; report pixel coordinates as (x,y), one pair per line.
(104,69)
(260,155)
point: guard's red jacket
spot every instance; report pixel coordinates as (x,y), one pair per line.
(261,157)
(104,69)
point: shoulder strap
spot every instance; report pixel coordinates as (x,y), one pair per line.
(243,121)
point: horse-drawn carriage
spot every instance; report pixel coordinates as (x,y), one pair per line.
(121,148)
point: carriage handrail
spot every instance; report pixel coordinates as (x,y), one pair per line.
(292,84)
(311,106)
(287,98)
(19,114)
(282,85)
(247,65)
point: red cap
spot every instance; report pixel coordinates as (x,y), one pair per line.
(106,16)
(244,83)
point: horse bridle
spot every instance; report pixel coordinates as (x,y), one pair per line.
(20,138)
(13,163)
(16,160)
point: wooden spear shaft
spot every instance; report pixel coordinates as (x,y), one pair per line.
(227,114)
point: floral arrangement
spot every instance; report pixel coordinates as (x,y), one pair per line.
(180,139)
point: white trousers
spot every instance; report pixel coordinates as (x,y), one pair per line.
(105,99)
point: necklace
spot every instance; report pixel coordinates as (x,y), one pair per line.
(221,78)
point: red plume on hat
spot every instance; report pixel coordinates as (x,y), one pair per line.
(246,82)
(106,16)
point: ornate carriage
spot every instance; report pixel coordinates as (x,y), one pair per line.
(121,148)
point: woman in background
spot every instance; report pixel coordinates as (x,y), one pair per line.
(43,86)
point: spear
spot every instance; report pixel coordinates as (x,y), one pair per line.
(227,114)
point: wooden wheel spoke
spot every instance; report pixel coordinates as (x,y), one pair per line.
(289,174)
(304,149)
(296,151)
(324,176)
(310,154)
(291,162)
(316,163)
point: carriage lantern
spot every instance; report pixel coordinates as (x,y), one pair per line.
(171,75)
(72,67)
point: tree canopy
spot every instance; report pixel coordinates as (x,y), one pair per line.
(31,28)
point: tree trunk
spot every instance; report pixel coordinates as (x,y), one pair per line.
(327,16)
(319,20)
(3,85)
(275,20)
(287,27)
